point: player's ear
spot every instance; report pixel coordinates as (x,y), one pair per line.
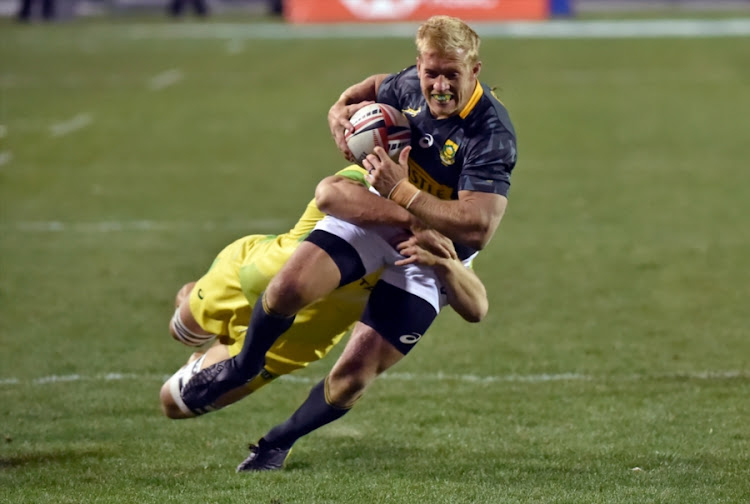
(477,68)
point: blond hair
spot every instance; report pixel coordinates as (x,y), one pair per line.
(448,36)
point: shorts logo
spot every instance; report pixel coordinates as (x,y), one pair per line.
(366,285)
(410,339)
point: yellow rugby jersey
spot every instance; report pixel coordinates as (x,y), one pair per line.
(318,327)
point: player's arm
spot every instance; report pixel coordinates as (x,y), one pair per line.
(465,291)
(470,220)
(349,199)
(352,99)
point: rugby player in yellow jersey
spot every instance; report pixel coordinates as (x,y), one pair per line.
(220,303)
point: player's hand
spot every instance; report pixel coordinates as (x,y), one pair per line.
(434,242)
(399,238)
(383,172)
(338,122)
(414,253)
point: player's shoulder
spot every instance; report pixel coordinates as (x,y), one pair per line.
(403,81)
(354,172)
(408,73)
(490,112)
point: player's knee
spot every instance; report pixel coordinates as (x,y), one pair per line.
(183,293)
(168,406)
(345,388)
(285,295)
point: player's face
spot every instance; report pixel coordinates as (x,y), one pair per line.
(447,82)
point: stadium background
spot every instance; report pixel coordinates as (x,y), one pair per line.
(612,368)
(70,8)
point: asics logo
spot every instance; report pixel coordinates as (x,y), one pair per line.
(426,141)
(409,339)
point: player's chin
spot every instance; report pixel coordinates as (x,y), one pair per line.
(442,108)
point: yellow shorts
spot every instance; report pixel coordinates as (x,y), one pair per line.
(222,302)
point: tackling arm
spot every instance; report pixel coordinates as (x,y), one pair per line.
(465,291)
(349,200)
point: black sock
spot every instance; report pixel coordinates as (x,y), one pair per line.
(262,332)
(314,413)
(209,384)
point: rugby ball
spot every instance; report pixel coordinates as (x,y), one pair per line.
(375,125)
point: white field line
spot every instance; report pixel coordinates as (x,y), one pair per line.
(555,29)
(74,124)
(251,225)
(5,157)
(415,377)
(165,79)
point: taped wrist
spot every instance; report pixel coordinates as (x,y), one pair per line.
(404,193)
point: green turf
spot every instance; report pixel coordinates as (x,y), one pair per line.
(612,368)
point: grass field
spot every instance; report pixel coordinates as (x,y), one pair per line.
(614,366)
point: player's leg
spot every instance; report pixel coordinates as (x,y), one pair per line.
(319,265)
(182,326)
(366,355)
(392,324)
(307,341)
(215,304)
(336,253)
(170,396)
(310,274)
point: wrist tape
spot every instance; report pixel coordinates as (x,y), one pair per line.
(404,193)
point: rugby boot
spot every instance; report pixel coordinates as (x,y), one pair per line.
(264,458)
